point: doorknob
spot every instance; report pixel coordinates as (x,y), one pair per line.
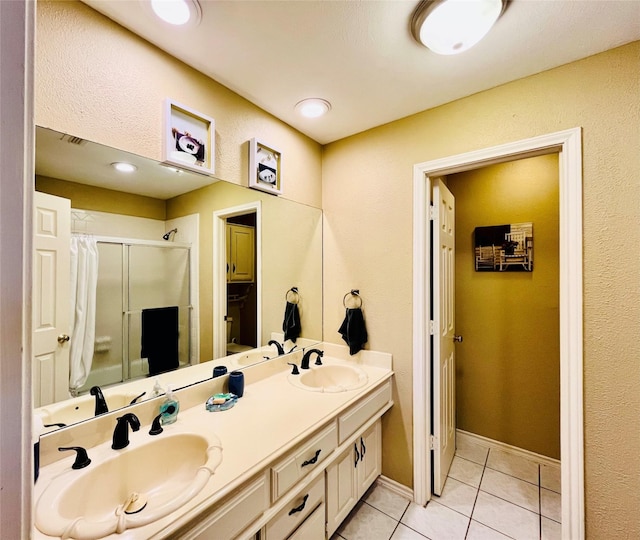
(62,338)
(457,339)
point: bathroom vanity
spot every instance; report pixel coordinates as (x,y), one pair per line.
(286,462)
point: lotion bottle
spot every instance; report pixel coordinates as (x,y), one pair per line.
(169,408)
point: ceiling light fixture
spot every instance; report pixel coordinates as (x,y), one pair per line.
(453,26)
(313,107)
(124,167)
(177,12)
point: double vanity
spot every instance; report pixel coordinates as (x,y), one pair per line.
(288,461)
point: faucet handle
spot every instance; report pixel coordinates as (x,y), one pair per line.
(82,459)
(295,369)
(318,361)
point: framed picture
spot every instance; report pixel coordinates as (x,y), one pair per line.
(189,138)
(504,248)
(265,167)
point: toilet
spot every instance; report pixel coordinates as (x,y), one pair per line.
(232,346)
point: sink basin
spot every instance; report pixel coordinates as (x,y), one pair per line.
(330,378)
(167,471)
(81,408)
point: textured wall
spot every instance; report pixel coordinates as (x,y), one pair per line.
(508,366)
(97,80)
(367,200)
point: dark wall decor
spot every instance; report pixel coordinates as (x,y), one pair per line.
(504,248)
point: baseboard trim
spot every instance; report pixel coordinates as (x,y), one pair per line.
(394,486)
(485,441)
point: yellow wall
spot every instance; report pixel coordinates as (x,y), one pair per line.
(369,245)
(508,366)
(103,200)
(97,80)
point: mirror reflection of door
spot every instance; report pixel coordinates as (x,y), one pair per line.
(241,314)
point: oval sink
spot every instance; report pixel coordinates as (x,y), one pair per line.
(167,472)
(330,378)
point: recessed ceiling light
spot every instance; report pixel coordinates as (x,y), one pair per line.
(313,107)
(453,26)
(177,12)
(121,166)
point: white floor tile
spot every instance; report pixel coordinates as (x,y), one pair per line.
(472,451)
(551,530)
(466,471)
(386,501)
(511,489)
(513,465)
(366,523)
(551,504)
(405,533)
(478,531)
(550,477)
(458,496)
(436,522)
(506,518)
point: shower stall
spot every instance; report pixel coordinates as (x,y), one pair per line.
(144,314)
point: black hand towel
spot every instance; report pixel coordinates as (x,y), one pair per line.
(160,338)
(291,324)
(353,330)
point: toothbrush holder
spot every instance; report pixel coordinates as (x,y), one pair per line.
(236,383)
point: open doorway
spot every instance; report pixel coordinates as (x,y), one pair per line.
(567,145)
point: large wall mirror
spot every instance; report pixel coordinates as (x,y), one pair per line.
(189,269)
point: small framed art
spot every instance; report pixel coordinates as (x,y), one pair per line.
(189,140)
(265,167)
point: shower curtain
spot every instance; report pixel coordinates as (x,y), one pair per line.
(84,280)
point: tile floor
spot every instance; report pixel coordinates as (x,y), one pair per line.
(489,495)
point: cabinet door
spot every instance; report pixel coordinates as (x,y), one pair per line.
(370,466)
(241,252)
(342,489)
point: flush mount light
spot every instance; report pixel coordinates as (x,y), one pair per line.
(124,167)
(177,12)
(313,107)
(453,26)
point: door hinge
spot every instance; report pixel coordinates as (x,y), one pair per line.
(432,212)
(432,442)
(432,328)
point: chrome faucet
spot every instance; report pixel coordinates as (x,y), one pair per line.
(121,433)
(101,403)
(307,356)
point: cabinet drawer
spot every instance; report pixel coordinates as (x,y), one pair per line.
(349,422)
(302,460)
(312,528)
(292,515)
(235,514)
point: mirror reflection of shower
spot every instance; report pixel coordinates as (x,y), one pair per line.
(167,235)
(143,310)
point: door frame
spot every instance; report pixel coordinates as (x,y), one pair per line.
(568,145)
(220,275)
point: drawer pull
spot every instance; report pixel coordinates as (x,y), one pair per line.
(355,447)
(313,460)
(363,448)
(299,508)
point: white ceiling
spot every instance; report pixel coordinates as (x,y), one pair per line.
(360,55)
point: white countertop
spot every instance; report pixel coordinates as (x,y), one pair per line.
(270,419)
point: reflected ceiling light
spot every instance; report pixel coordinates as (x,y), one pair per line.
(453,26)
(177,12)
(313,107)
(124,167)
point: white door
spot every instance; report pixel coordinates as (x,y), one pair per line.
(52,237)
(443,354)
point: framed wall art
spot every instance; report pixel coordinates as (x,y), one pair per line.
(189,138)
(502,248)
(265,167)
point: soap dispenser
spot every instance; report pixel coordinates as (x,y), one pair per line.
(169,408)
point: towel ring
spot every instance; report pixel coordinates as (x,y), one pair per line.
(356,294)
(294,292)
